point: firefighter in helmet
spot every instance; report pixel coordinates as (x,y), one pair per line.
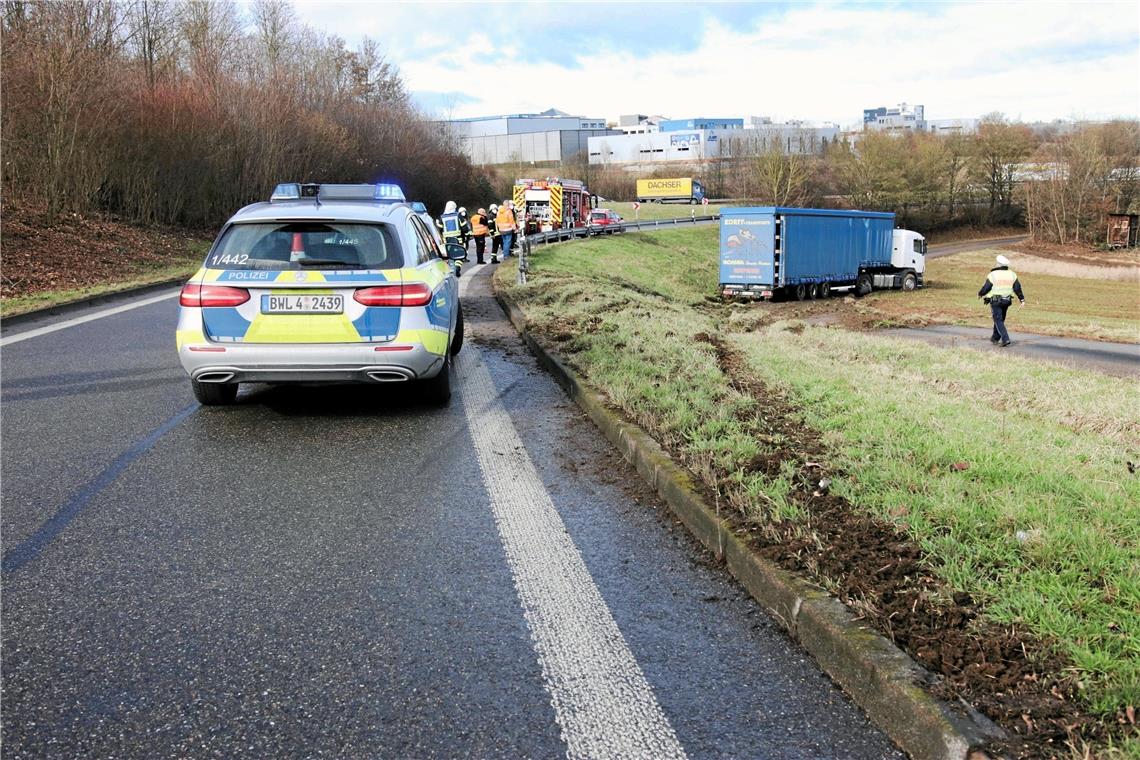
(496,236)
(451,230)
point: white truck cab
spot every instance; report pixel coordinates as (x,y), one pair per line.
(908,251)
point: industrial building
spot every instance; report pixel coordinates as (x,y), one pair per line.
(550,136)
(952,126)
(700,144)
(901,117)
(639,124)
(678,125)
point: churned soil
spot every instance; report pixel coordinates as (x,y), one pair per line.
(1017,680)
(69,251)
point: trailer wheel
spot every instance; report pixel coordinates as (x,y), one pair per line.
(801,292)
(864,284)
(825,290)
(910,282)
(813,291)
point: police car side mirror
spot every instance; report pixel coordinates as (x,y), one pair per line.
(455,251)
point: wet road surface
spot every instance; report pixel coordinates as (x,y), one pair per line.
(347,572)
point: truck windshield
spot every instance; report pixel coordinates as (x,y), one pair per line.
(307,245)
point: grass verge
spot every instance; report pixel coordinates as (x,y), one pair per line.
(22,304)
(651,211)
(1012,481)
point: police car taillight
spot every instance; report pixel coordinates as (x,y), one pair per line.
(396,294)
(212,295)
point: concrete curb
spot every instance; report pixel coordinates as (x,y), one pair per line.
(883,680)
(68,307)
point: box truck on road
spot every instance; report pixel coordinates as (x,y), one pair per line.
(677,190)
(806,253)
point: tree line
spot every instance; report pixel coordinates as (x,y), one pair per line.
(181,112)
(1060,182)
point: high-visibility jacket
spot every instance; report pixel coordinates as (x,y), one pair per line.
(449,226)
(505,220)
(1002,281)
(478,225)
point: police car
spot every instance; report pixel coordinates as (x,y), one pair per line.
(322,284)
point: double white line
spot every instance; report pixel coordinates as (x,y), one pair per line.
(602,701)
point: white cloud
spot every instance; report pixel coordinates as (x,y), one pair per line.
(822,62)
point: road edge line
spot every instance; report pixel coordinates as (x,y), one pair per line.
(879,677)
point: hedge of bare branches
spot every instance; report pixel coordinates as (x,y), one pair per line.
(179,113)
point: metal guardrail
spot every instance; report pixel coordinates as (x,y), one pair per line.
(558,236)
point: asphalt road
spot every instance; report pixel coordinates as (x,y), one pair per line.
(1119,359)
(345,572)
(965,246)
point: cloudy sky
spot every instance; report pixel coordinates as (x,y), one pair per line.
(816,61)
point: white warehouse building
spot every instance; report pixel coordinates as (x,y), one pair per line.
(702,144)
(549,136)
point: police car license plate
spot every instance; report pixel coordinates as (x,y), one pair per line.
(306,304)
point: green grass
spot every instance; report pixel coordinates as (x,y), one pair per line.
(12,306)
(1043,527)
(651,211)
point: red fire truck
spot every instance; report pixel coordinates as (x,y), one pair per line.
(552,203)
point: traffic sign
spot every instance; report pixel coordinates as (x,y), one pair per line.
(636,205)
(704,201)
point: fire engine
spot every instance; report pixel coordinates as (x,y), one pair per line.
(552,203)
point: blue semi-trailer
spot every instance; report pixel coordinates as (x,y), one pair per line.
(803,253)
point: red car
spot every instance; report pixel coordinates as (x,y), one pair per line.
(604,220)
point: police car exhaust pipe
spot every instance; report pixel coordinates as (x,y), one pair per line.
(388,376)
(215,377)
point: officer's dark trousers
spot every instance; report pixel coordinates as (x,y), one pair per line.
(998,307)
(480,247)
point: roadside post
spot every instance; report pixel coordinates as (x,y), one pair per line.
(523,257)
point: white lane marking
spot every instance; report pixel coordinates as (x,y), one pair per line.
(80,320)
(602,701)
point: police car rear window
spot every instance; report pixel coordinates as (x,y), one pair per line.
(307,245)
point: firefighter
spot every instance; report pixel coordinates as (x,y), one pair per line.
(506,224)
(496,237)
(450,231)
(479,231)
(998,291)
(464,229)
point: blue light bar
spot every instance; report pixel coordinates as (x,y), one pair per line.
(286,191)
(389,192)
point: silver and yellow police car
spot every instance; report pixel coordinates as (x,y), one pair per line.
(322,284)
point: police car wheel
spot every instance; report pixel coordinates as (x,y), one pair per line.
(457,339)
(214,394)
(437,390)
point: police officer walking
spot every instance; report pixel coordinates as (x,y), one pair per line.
(998,291)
